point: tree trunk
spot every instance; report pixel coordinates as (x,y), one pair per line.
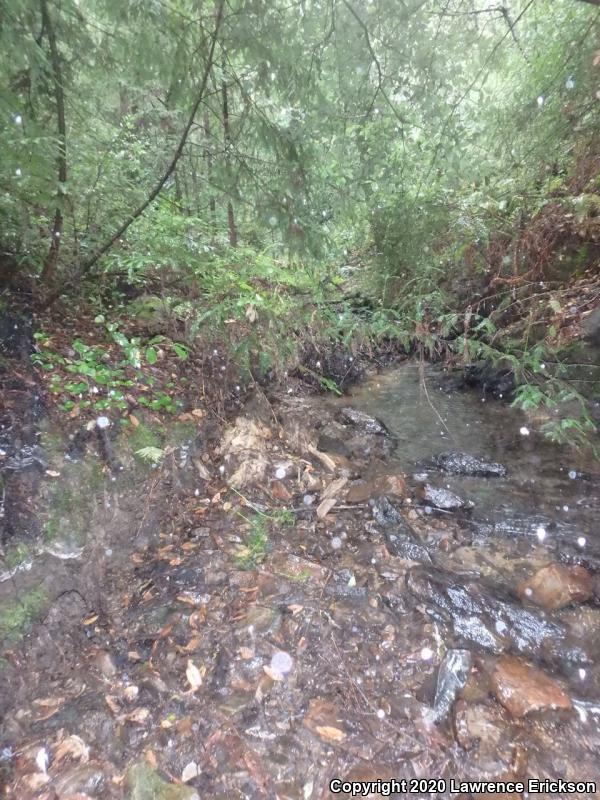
(209,163)
(233,235)
(49,269)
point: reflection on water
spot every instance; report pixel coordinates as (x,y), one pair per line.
(542,478)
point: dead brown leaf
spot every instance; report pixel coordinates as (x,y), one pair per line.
(330,733)
(72,747)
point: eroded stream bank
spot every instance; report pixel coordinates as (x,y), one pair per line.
(321,596)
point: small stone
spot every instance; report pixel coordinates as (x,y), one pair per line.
(105,663)
(280,473)
(524,690)
(440,498)
(103,422)
(557,585)
(392,485)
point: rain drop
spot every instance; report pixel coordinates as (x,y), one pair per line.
(541,533)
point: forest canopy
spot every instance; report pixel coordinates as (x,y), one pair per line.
(425,154)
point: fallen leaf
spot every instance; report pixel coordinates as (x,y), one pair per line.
(130,693)
(50,705)
(151,758)
(193,645)
(274,674)
(73,747)
(190,771)
(330,733)
(246,653)
(295,608)
(112,702)
(134,420)
(138,715)
(193,675)
(197,412)
(52,473)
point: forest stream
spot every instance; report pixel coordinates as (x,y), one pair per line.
(399,584)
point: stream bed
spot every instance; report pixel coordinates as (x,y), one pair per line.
(332,602)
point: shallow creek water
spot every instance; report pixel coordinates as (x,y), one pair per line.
(236,655)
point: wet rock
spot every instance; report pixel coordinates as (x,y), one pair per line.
(490,620)
(441,498)
(280,491)
(364,421)
(557,585)
(524,690)
(89,779)
(146,784)
(564,538)
(330,444)
(479,724)
(393,485)
(452,677)
(590,326)
(495,380)
(104,662)
(465,464)
(386,514)
(401,540)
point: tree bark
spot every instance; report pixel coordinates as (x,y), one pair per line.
(212,204)
(86,266)
(233,235)
(49,269)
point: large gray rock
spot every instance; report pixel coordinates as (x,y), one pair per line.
(364,421)
(465,464)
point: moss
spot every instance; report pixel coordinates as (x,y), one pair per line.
(16,554)
(70,509)
(18,614)
(181,433)
(146,784)
(142,436)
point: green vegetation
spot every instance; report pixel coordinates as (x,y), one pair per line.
(256,539)
(264,179)
(18,614)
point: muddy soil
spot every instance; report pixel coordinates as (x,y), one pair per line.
(329,597)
